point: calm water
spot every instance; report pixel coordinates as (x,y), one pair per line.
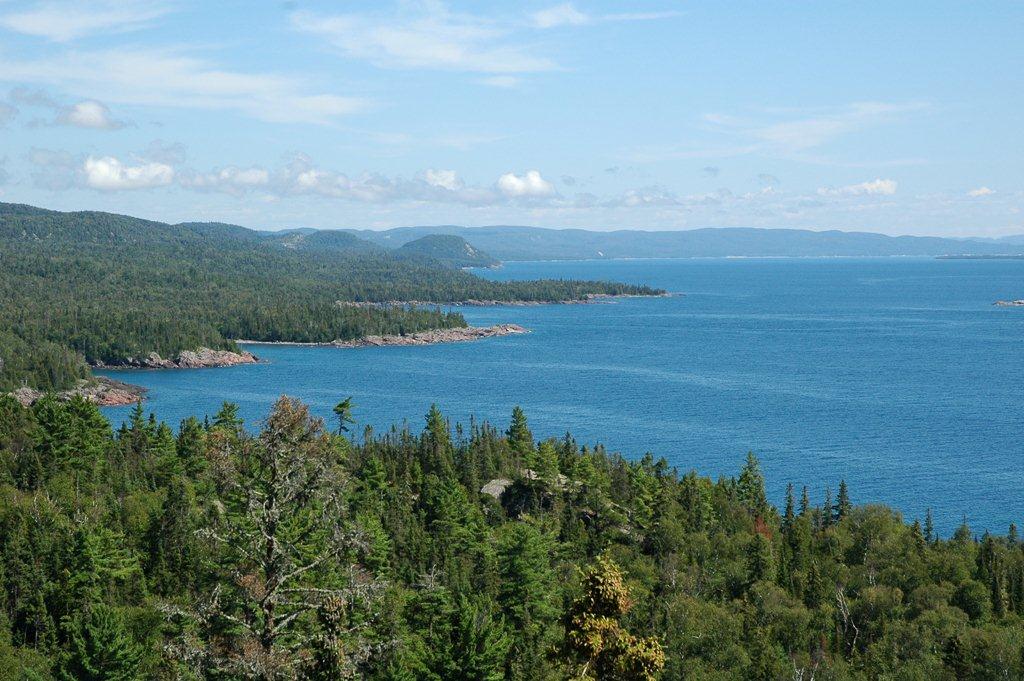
(896,374)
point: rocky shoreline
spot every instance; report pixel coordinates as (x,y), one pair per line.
(186,359)
(431,337)
(588,299)
(100,390)
(107,392)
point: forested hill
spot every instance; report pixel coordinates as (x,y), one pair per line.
(80,288)
(298,553)
(449,249)
(536,243)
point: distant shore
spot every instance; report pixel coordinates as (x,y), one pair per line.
(588,299)
(431,337)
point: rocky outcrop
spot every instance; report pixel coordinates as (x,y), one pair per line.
(432,337)
(100,390)
(1009,303)
(456,335)
(187,359)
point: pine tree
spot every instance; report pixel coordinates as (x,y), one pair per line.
(929,527)
(761,564)
(825,514)
(750,487)
(790,515)
(436,453)
(173,556)
(519,436)
(100,647)
(343,410)
(843,505)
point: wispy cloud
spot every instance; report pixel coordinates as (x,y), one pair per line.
(788,133)
(425,37)
(172,78)
(87,113)
(566,14)
(800,133)
(67,21)
(981,191)
(872,187)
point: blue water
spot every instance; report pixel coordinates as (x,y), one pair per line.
(896,374)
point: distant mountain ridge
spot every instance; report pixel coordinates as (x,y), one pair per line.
(538,243)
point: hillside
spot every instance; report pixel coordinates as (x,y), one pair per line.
(449,249)
(88,288)
(535,243)
(326,241)
(462,553)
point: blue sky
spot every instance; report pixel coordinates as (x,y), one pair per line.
(903,118)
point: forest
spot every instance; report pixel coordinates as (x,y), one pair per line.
(78,289)
(294,548)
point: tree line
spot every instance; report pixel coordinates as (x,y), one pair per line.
(294,549)
(87,288)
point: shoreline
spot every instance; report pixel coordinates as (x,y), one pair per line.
(589,299)
(100,390)
(203,358)
(460,334)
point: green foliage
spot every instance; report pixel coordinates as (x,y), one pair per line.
(80,289)
(294,552)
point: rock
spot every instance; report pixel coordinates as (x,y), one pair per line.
(187,359)
(454,335)
(100,390)
(1009,303)
(496,487)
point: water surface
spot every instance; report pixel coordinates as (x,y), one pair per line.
(896,374)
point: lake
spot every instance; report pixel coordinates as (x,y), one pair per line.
(897,374)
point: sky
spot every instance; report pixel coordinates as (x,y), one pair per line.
(894,117)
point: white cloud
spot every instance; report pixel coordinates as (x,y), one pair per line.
(566,14)
(67,21)
(428,37)
(110,174)
(89,114)
(981,191)
(529,185)
(872,187)
(559,15)
(154,77)
(230,180)
(446,179)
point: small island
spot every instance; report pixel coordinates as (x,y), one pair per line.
(1009,303)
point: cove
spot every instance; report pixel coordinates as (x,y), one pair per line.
(897,374)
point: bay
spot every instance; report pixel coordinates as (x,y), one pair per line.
(895,374)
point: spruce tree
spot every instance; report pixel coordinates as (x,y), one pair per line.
(843,505)
(750,487)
